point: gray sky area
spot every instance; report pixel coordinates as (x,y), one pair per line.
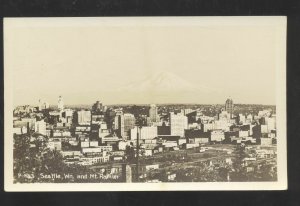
(142,60)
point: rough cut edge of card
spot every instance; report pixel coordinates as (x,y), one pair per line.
(279,22)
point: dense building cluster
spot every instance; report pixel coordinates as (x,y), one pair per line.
(105,134)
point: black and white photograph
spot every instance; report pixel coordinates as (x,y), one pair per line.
(145,103)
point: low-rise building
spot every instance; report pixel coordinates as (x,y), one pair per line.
(20,130)
(148,152)
(106,148)
(94,143)
(217,136)
(93,160)
(54,145)
(152,167)
(264,153)
(265,141)
(123,144)
(191,145)
(91,150)
(69,154)
(249,160)
(107,139)
(84,144)
(181,141)
(170,144)
(171,177)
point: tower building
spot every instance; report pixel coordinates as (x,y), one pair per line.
(126,122)
(97,107)
(60,103)
(229,106)
(153,113)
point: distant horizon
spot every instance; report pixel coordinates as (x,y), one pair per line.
(145,104)
(52,103)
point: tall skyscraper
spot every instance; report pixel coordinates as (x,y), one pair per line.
(178,123)
(60,103)
(120,125)
(129,123)
(116,123)
(229,106)
(125,124)
(153,113)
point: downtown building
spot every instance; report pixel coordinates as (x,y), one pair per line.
(178,123)
(153,114)
(125,123)
(97,107)
(40,127)
(146,133)
(229,107)
(84,117)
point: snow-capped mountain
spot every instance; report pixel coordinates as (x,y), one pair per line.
(162,82)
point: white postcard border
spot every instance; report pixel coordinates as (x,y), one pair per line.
(281,184)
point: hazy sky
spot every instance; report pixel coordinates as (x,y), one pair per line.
(204,60)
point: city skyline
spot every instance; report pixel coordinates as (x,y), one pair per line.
(89,104)
(118,62)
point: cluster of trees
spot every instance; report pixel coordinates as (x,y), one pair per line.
(34,162)
(200,174)
(260,172)
(32,158)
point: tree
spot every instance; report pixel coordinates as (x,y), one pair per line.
(223,173)
(266,172)
(238,173)
(22,159)
(130,154)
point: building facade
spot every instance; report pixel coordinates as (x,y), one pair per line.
(84,117)
(178,123)
(40,127)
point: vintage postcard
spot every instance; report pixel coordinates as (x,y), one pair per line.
(145,103)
